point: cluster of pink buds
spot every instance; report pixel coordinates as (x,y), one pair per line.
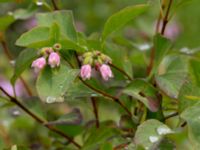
(48,55)
(98,61)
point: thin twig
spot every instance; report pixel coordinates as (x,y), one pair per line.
(171,115)
(54,5)
(121,146)
(38,119)
(95,110)
(164,24)
(10,57)
(115,99)
(122,71)
(165,20)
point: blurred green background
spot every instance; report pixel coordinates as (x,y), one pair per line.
(90,16)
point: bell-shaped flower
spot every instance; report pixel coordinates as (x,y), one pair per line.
(54,59)
(86,72)
(38,64)
(106,72)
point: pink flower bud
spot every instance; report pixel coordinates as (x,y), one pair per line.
(106,72)
(54,59)
(39,63)
(86,71)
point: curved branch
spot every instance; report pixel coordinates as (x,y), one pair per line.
(122,71)
(38,119)
(10,57)
(108,96)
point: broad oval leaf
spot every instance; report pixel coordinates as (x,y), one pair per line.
(144,92)
(122,17)
(192,116)
(188,96)
(172,73)
(52,84)
(150,132)
(70,123)
(5,21)
(35,38)
(63,18)
(99,136)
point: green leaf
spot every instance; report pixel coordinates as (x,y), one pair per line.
(119,19)
(150,133)
(188,96)
(25,13)
(98,137)
(52,84)
(72,118)
(195,69)
(54,34)
(35,38)
(106,146)
(23,61)
(144,92)
(171,75)
(192,116)
(5,21)
(35,106)
(63,18)
(70,123)
(162,46)
(69,44)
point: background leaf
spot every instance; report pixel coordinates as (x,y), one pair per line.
(150,132)
(191,115)
(119,19)
(22,62)
(35,38)
(144,92)
(63,18)
(171,75)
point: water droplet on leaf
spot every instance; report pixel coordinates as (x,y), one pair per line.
(50,99)
(153,139)
(162,130)
(39,3)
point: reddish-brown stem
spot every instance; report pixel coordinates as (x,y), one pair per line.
(171,115)
(38,119)
(150,66)
(95,110)
(9,56)
(6,50)
(158,23)
(115,99)
(121,146)
(28,90)
(164,24)
(122,71)
(165,20)
(54,5)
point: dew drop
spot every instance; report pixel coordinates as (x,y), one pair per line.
(50,99)
(16,112)
(39,3)
(153,139)
(163,130)
(144,47)
(146,147)
(94,95)
(10,13)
